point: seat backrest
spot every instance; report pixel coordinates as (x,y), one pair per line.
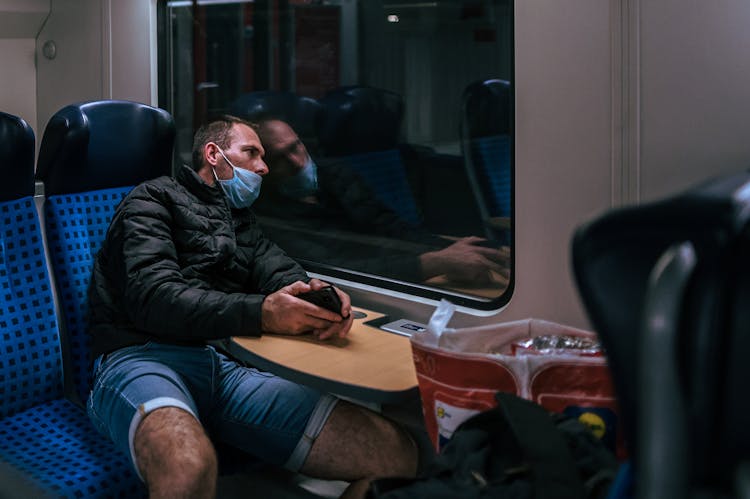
(30,358)
(614,259)
(361,127)
(486,144)
(491,160)
(384,173)
(302,113)
(487,108)
(92,154)
(360,119)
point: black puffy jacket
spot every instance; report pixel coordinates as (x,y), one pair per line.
(179,266)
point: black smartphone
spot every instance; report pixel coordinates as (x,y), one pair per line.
(324,297)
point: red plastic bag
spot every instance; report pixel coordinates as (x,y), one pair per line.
(460,370)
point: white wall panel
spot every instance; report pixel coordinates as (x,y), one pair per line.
(106,49)
(563,126)
(695,92)
(75,74)
(20,21)
(22,18)
(132,50)
(18,79)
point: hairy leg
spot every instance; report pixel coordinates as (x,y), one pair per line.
(358,445)
(175,456)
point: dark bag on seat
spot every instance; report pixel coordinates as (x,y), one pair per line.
(516,450)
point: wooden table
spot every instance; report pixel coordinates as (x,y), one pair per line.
(370,364)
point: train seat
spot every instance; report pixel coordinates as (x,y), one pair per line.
(361,127)
(666,287)
(92,154)
(486,137)
(46,438)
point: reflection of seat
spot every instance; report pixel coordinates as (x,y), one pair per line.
(486,145)
(361,127)
(91,155)
(666,286)
(44,436)
(302,113)
(360,119)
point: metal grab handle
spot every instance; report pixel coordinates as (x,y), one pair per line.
(662,458)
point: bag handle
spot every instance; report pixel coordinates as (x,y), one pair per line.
(551,464)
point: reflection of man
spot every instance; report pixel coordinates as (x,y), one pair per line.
(184,262)
(330,196)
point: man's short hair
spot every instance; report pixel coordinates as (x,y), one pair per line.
(217,130)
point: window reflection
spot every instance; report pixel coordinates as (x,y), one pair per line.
(387,127)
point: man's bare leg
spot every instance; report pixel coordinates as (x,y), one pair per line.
(358,445)
(175,456)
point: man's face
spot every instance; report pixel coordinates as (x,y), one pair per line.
(286,155)
(244,151)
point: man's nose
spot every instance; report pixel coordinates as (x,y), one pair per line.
(261,168)
(298,161)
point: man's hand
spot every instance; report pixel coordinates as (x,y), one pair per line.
(283,313)
(464,260)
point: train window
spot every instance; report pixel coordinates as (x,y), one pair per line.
(388,128)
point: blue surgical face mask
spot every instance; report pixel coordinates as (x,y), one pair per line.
(303,183)
(243,188)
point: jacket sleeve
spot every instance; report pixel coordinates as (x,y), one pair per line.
(158,298)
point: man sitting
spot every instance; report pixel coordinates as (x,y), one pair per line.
(184,262)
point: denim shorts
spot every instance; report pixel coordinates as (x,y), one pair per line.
(268,417)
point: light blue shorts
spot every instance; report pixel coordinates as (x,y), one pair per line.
(268,417)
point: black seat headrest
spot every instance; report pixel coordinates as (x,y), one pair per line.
(302,113)
(360,119)
(16,157)
(487,108)
(104,144)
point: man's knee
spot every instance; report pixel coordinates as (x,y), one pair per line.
(173,452)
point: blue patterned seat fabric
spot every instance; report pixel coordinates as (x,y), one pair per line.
(30,364)
(55,446)
(361,126)
(76,226)
(486,144)
(383,172)
(495,175)
(44,436)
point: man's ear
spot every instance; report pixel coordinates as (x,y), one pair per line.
(211,153)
